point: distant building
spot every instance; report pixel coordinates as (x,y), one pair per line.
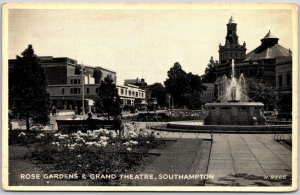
(129,93)
(269,61)
(136,82)
(284,85)
(141,83)
(258,63)
(232,49)
(65,83)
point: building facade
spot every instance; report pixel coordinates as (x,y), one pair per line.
(269,61)
(284,86)
(70,82)
(130,93)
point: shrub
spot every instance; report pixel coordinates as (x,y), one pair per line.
(97,152)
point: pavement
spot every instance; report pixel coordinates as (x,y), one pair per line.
(179,157)
(249,159)
(234,160)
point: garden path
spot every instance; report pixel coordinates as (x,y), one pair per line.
(182,157)
(245,160)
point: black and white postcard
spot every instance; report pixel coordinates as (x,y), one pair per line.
(150,97)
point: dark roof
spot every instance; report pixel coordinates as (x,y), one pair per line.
(269,49)
(274,51)
(270,36)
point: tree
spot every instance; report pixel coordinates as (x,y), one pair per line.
(194,91)
(183,87)
(28,97)
(260,91)
(158,91)
(176,84)
(109,100)
(208,76)
(285,102)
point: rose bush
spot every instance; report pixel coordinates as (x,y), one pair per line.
(184,114)
(94,152)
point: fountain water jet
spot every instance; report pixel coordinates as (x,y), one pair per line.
(233,107)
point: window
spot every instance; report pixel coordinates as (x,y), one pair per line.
(63,91)
(122,91)
(78,81)
(288,79)
(280,80)
(97,90)
(75,90)
(136,94)
(75,81)
(87,90)
(71,81)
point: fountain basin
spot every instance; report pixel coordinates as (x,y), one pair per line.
(198,127)
(234,113)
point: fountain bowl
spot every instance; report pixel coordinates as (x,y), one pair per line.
(234,113)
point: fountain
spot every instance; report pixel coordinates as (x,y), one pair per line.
(233,106)
(234,112)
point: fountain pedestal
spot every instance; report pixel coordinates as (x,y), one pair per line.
(234,113)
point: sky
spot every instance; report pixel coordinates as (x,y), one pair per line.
(141,43)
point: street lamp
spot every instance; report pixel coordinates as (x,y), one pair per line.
(83,79)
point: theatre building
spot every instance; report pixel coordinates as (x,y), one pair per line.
(258,63)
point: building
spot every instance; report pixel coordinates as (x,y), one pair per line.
(259,63)
(232,49)
(284,86)
(269,61)
(130,93)
(141,83)
(67,80)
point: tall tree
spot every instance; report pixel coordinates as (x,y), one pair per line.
(176,84)
(109,100)
(182,86)
(158,91)
(260,91)
(208,76)
(194,91)
(28,97)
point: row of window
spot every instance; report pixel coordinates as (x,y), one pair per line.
(75,81)
(131,93)
(231,55)
(246,72)
(288,80)
(78,91)
(75,91)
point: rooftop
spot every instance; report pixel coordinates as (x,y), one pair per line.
(269,49)
(270,36)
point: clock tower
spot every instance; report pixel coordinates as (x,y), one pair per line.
(231,49)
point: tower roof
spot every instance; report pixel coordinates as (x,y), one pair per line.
(270,36)
(231,21)
(269,48)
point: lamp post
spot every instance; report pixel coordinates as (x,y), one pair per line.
(82,86)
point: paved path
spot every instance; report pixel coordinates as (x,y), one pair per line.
(179,157)
(244,160)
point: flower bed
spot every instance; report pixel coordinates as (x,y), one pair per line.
(184,114)
(94,152)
